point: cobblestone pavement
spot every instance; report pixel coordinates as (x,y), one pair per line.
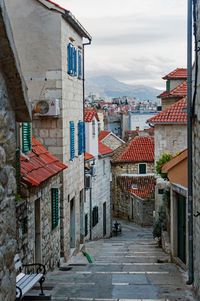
(127,267)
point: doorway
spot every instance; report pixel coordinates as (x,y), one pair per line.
(72,224)
(104,219)
(181,224)
(38,256)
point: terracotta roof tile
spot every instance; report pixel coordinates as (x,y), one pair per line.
(181,91)
(88,156)
(40,166)
(103,134)
(173,114)
(177,73)
(90,114)
(139,149)
(103,149)
(145,186)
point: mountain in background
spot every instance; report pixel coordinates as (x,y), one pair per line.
(108,86)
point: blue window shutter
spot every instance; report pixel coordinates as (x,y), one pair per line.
(80,137)
(72,140)
(70,59)
(75,62)
(79,64)
(83,136)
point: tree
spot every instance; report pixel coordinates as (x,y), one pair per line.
(165,158)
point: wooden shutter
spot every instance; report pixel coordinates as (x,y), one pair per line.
(75,61)
(142,168)
(80,137)
(83,136)
(54,207)
(26,137)
(70,58)
(79,64)
(72,140)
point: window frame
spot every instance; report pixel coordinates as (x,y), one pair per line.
(139,166)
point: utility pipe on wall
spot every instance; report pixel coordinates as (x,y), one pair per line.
(189,134)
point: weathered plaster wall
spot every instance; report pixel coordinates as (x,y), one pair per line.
(130,168)
(168,101)
(170,138)
(7,196)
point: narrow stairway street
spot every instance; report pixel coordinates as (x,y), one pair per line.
(129,266)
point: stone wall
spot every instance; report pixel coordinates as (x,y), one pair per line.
(168,101)
(26,226)
(141,210)
(170,138)
(130,168)
(7,196)
(112,141)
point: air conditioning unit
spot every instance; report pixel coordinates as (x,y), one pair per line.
(87,181)
(48,108)
(93,170)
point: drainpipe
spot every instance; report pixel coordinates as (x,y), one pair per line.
(85,44)
(189,134)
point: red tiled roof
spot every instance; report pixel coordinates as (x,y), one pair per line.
(181,90)
(90,114)
(177,73)
(88,156)
(56,4)
(173,114)
(145,185)
(103,149)
(39,165)
(139,149)
(103,134)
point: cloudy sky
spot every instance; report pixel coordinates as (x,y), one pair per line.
(135,41)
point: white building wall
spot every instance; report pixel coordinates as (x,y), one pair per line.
(139,120)
(91,140)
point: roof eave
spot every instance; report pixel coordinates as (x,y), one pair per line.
(76,25)
(155,123)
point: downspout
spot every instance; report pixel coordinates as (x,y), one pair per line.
(189,134)
(85,44)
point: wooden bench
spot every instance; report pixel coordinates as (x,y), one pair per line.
(29,275)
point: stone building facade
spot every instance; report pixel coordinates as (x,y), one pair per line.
(132,164)
(54,79)
(110,139)
(14,107)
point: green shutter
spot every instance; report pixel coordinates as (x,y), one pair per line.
(86,224)
(54,207)
(26,137)
(24,226)
(142,168)
(18,171)
(168,85)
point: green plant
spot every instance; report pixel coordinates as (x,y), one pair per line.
(18,197)
(165,158)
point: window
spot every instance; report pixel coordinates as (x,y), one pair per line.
(72,140)
(160,191)
(24,226)
(104,167)
(168,85)
(86,224)
(26,137)
(93,127)
(142,168)
(54,207)
(79,64)
(95,216)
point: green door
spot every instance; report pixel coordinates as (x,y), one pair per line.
(181,227)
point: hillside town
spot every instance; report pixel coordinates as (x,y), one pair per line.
(99,196)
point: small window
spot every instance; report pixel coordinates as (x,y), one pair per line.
(95,216)
(142,168)
(168,85)
(54,207)
(160,191)
(93,128)
(86,224)
(26,136)
(104,167)
(24,226)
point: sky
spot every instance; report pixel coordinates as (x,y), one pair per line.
(134,41)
